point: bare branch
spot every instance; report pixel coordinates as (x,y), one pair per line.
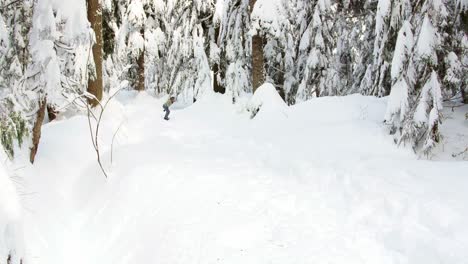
(112,143)
(460,153)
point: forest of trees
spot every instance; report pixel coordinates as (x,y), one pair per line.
(55,59)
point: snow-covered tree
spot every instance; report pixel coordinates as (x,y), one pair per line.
(15,22)
(414,51)
(314,52)
(57,74)
(402,73)
(388,18)
(419,62)
(455,56)
(234,43)
(213,51)
(282,40)
(340,71)
(181,65)
(130,47)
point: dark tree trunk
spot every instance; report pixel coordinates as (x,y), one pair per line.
(36,131)
(51,112)
(464,27)
(217,87)
(464,92)
(258,71)
(95,82)
(140,85)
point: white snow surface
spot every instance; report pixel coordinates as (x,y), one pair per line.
(324,184)
(10,218)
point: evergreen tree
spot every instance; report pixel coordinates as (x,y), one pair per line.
(419,64)
(314,53)
(15,22)
(178,42)
(234,43)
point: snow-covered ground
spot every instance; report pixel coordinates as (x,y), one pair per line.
(320,182)
(11,236)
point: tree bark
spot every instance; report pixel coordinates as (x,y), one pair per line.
(258,71)
(36,131)
(140,85)
(51,112)
(95,82)
(464,92)
(217,87)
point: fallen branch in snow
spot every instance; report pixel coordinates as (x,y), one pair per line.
(456,106)
(460,153)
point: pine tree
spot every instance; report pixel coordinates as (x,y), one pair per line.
(314,53)
(403,78)
(181,65)
(235,54)
(15,22)
(135,26)
(454,52)
(423,129)
(414,110)
(213,48)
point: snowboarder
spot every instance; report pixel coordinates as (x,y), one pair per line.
(166,106)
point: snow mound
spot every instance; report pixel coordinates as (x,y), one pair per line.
(267,103)
(10,212)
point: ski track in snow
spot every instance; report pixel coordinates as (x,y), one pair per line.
(322,185)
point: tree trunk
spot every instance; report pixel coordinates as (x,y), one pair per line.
(36,131)
(95,82)
(51,112)
(217,87)
(464,92)
(140,85)
(258,71)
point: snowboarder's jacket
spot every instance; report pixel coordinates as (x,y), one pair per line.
(169,102)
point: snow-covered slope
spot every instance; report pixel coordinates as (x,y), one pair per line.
(324,184)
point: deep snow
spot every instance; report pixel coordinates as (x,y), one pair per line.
(322,184)
(11,236)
